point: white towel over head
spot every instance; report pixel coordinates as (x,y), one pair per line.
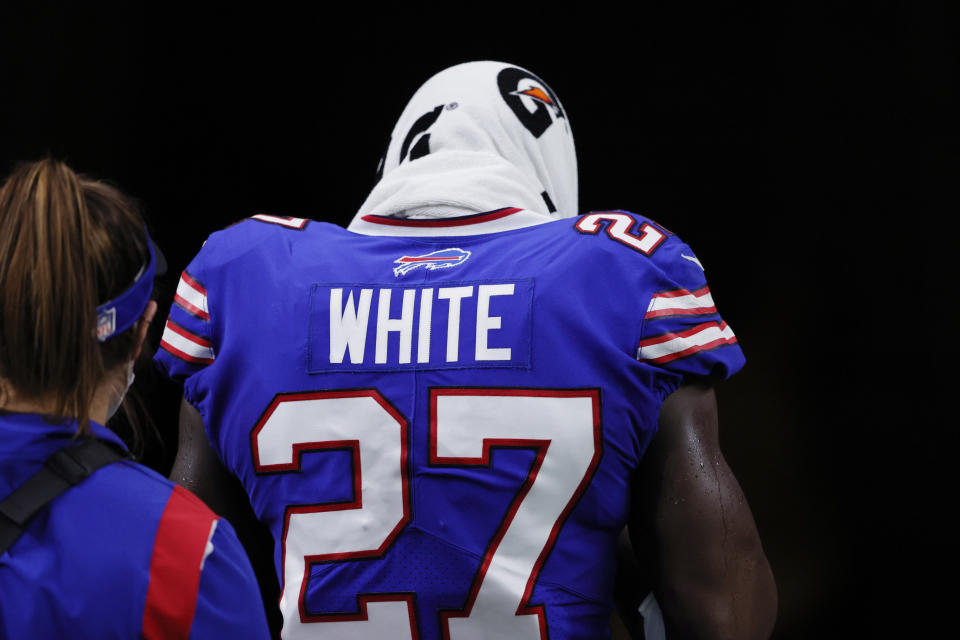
(476,137)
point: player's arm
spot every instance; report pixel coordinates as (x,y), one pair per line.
(188,347)
(693,531)
(198,469)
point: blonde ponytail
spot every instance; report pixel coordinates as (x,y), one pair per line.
(66,244)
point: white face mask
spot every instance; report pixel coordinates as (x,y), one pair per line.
(115,404)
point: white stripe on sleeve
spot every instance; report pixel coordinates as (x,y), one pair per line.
(681,303)
(192,297)
(186,345)
(671,346)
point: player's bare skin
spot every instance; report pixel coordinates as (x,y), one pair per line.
(198,469)
(693,532)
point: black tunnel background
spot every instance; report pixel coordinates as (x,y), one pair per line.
(805,152)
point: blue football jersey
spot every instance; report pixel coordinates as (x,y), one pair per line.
(439,419)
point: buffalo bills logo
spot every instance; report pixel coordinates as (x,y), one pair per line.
(442,259)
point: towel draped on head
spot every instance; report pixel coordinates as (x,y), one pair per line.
(476,137)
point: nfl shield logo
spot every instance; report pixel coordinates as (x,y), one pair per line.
(442,259)
(106,323)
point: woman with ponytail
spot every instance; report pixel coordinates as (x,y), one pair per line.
(92,544)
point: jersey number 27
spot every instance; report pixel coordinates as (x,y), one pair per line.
(561,425)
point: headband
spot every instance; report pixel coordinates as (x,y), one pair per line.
(117,315)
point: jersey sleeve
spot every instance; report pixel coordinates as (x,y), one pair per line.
(201,583)
(682,331)
(187,343)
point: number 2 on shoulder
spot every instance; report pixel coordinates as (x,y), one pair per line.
(562,426)
(620,227)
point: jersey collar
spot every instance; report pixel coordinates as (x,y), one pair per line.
(504,219)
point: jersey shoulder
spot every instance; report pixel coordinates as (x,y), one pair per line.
(638,238)
(681,329)
(257,233)
(230,260)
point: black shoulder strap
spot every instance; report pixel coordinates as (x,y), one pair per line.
(66,468)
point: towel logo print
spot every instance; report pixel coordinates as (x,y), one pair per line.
(442,259)
(530,99)
(419,128)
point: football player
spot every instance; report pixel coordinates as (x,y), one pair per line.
(447,412)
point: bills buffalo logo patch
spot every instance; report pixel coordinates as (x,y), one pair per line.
(442,259)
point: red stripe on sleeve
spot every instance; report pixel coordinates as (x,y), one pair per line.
(676,293)
(193,284)
(186,357)
(175,567)
(192,337)
(670,357)
(667,337)
(190,308)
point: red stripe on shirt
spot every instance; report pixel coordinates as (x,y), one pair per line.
(193,284)
(185,304)
(667,337)
(679,311)
(178,552)
(203,342)
(445,222)
(668,312)
(676,293)
(429,259)
(670,357)
(172,350)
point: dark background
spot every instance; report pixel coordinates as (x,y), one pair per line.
(807,153)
